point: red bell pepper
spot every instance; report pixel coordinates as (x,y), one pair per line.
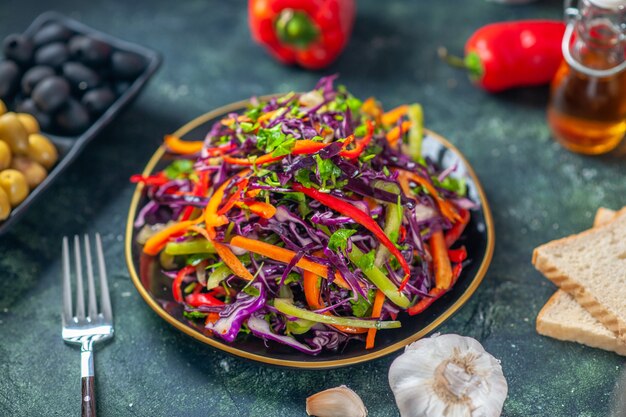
(455,232)
(203,299)
(358,216)
(360,145)
(177,291)
(199,190)
(310,33)
(457,255)
(503,55)
(154,180)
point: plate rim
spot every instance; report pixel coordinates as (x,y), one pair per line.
(327,364)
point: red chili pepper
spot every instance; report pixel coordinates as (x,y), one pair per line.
(457,255)
(358,216)
(456,231)
(502,55)
(199,190)
(156,179)
(310,33)
(402,234)
(203,299)
(360,146)
(177,292)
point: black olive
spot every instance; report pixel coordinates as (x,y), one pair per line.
(9,78)
(52,32)
(72,118)
(18,48)
(121,87)
(50,93)
(53,54)
(98,100)
(81,78)
(29,106)
(32,77)
(89,51)
(126,65)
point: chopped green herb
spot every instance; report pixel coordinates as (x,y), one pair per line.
(179,169)
(366,261)
(363,306)
(339,239)
(194,315)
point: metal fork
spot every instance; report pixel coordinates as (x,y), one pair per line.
(81,329)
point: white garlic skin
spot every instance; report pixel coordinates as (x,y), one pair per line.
(336,402)
(447,376)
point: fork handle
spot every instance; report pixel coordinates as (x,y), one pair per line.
(88,380)
(89,397)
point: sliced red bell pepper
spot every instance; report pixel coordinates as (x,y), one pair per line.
(177,291)
(457,255)
(424,303)
(458,227)
(358,216)
(234,197)
(360,145)
(203,299)
(199,190)
(154,180)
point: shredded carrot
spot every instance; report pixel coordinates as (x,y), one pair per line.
(158,241)
(396,133)
(212,317)
(441,260)
(211,218)
(446,208)
(261,160)
(232,261)
(372,108)
(391,117)
(284,255)
(377,308)
(229,121)
(266,116)
(235,197)
(265,210)
(181,147)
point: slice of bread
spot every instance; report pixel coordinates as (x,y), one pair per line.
(563,318)
(591,267)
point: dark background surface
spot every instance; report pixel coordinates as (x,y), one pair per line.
(537,191)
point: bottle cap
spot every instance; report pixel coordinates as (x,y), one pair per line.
(609,4)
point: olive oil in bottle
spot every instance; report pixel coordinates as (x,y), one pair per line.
(587,109)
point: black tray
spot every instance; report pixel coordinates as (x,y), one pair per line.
(70,146)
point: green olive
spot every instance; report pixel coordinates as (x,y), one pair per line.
(5,205)
(41,150)
(15,185)
(29,122)
(33,171)
(13,133)
(5,155)
(3,109)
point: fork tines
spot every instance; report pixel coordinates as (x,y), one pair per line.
(92,307)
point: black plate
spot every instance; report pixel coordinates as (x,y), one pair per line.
(70,146)
(155,288)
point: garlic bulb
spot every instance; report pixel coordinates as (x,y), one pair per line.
(447,376)
(336,402)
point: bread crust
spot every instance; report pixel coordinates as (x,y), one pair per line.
(604,315)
